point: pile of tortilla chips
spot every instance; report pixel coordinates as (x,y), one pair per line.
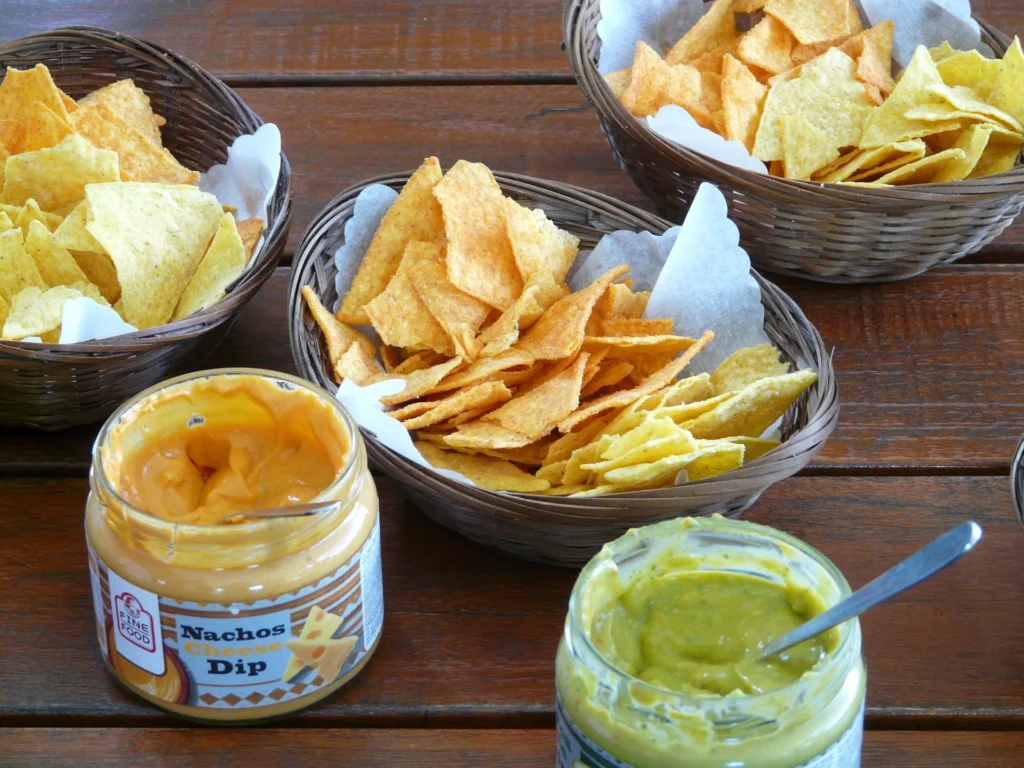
(521,385)
(94,206)
(810,92)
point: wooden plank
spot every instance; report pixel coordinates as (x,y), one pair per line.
(247,41)
(927,373)
(470,635)
(260,40)
(388,748)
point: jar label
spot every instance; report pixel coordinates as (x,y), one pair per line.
(575,750)
(241,655)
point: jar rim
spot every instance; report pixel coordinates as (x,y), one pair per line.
(344,476)
(848,629)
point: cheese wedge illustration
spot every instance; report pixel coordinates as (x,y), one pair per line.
(320,625)
(325,656)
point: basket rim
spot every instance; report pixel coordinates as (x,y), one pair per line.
(254,276)
(915,196)
(798,449)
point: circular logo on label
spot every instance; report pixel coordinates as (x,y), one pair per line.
(132,605)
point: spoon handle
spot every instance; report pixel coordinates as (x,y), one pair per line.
(927,561)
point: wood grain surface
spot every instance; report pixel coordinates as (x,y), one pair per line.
(408,748)
(928,373)
(470,635)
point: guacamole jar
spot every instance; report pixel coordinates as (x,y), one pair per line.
(207,613)
(659,664)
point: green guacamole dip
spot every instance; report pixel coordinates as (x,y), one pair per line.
(701,632)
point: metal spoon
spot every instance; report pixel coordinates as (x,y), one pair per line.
(292,510)
(924,563)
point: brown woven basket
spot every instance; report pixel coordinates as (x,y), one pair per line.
(825,232)
(568,531)
(51,386)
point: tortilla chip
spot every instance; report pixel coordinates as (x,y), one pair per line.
(12,136)
(57,177)
(941,52)
(633,347)
(152,230)
(30,212)
(805,149)
(21,89)
(357,364)
(477,396)
(485,472)
(44,128)
(1008,90)
(538,245)
(561,329)
(925,170)
(815,21)
(18,270)
(36,312)
(483,369)
(635,326)
(868,159)
(874,65)
(480,257)
(56,266)
(536,413)
(716,28)
(422,381)
(139,158)
(753,409)
(415,216)
(618,82)
(747,365)
(609,375)
(339,337)
(686,88)
(399,315)
(769,45)
(652,383)
(72,234)
(972,142)
(649,84)
(712,60)
(132,104)
(250,230)
(1000,155)
(483,434)
(223,262)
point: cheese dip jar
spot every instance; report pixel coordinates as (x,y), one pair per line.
(659,664)
(207,614)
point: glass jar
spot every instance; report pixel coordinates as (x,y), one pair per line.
(608,719)
(239,622)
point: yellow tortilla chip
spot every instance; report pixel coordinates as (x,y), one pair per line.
(5,310)
(609,375)
(359,365)
(44,128)
(156,236)
(22,88)
(1008,91)
(686,88)
(538,245)
(18,270)
(536,413)
(72,234)
(250,230)
(632,347)
(485,472)
(712,60)
(477,396)
(101,272)
(874,57)
(805,149)
(56,266)
(715,459)
(941,52)
(618,82)
(650,80)
(480,258)
(56,177)
(747,365)
(35,312)
(483,369)
(769,45)
(561,329)
(1000,155)
(500,335)
(139,158)
(716,28)
(970,69)
(12,136)
(925,170)
(815,21)
(636,326)
(456,312)
(223,262)
(399,315)
(483,434)
(753,409)
(131,103)
(415,216)
(868,159)
(972,142)
(742,102)
(422,381)
(30,212)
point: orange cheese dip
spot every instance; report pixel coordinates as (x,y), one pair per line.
(225,445)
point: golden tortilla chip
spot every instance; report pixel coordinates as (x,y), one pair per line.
(754,408)
(537,244)
(747,365)
(399,315)
(5,310)
(417,361)
(645,94)
(632,347)
(422,381)
(970,69)
(21,89)
(415,216)
(483,434)
(716,28)
(477,396)
(1000,155)
(101,272)
(564,446)
(815,21)
(139,158)
(535,414)
(339,337)
(769,45)
(412,410)
(635,326)
(458,313)
(56,266)
(972,142)
(1008,90)
(868,159)
(688,88)
(223,262)
(44,128)
(131,103)
(715,459)
(30,212)
(964,100)
(652,383)
(874,65)
(156,235)
(925,170)
(12,136)
(484,471)
(250,230)
(805,149)
(941,52)
(712,60)
(358,365)
(35,312)
(480,258)
(483,369)
(618,82)
(72,234)
(609,375)
(748,6)
(18,270)
(56,177)
(561,329)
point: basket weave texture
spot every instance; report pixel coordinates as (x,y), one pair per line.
(824,232)
(50,386)
(568,531)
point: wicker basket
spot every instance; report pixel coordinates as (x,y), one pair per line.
(52,386)
(825,232)
(568,531)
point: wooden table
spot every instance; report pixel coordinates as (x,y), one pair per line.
(929,373)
